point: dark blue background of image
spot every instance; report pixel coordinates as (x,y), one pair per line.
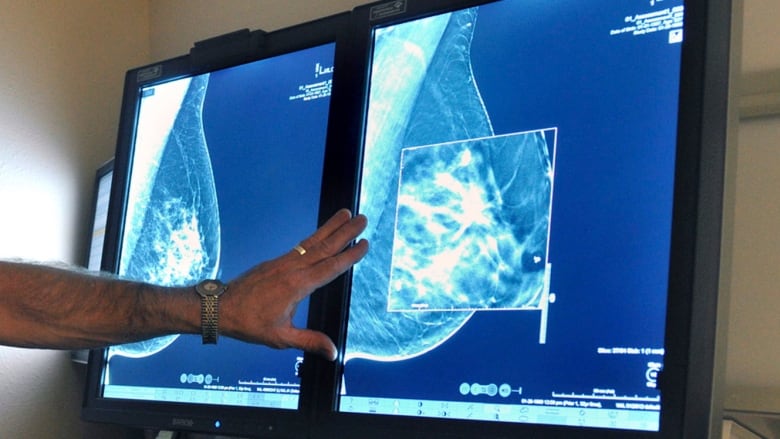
(267,153)
(541,64)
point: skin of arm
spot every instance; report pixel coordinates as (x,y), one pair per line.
(52,308)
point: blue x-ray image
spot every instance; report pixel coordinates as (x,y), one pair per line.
(210,195)
(174,233)
(459,216)
(472,225)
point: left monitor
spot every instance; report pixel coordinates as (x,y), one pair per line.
(218,167)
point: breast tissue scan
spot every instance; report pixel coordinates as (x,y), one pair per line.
(517,173)
(210,196)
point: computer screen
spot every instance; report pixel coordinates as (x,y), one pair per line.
(209,198)
(99,215)
(517,165)
(103,177)
(222,170)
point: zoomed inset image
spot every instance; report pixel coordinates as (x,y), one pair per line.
(472,224)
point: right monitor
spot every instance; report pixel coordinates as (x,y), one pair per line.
(543,183)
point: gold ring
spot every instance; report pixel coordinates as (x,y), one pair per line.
(301,251)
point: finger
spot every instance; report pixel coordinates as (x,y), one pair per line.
(311,341)
(323,246)
(343,236)
(335,222)
(330,268)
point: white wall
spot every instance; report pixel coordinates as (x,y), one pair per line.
(754,353)
(60,86)
(753,356)
(761,36)
(61,81)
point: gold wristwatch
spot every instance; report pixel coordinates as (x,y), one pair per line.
(209,291)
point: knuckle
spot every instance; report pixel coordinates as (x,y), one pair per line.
(329,247)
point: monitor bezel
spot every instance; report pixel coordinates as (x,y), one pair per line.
(163,416)
(693,342)
(103,171)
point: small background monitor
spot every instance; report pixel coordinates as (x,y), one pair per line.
(103,178)
(94,255)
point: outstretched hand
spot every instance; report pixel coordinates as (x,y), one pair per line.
(259,305)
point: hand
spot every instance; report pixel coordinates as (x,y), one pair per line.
(259,305)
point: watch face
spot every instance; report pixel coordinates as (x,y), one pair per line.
(210,288)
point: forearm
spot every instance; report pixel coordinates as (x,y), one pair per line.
(47,307)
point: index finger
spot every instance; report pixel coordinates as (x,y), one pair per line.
(331,267)
(331,225)
(335,235)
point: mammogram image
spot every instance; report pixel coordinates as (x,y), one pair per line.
(458,214)
(472,224)
(172,236)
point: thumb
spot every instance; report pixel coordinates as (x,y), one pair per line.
(311,341)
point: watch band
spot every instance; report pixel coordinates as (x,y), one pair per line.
(209,319)
(209,292)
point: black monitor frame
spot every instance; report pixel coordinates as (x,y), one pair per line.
(222,52)
(103,174)
(693,363)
